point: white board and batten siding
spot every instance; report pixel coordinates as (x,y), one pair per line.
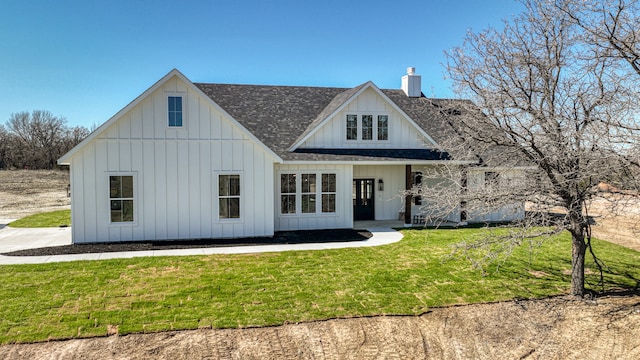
(341,219)
(402,134)
(388,202)
(175,172)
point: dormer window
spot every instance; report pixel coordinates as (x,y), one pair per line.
(383,127)
(367,127)
(364,128)
(174,111)
(352,127)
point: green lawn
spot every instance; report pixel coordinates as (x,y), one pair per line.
(47,219)
(80,299)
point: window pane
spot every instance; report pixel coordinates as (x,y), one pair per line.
(223,185)
(223,209)
(234,185)
(127,210)
(328,203)
(116,210)
(352,127)
(288,204)
(178,121)
(308,204)
(127,186)
(229,208)
(328,182)
(114,187)
(178,102)
(172,104)
(383,127)
(308,183)
(234,208)
(367,127)
(287,183)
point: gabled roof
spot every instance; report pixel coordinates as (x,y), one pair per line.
(337,103)
(341,101)
(281,116)
(66,158)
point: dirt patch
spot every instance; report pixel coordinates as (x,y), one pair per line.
(617,219)
(27,192)
(558,328)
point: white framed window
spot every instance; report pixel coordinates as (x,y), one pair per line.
(122,207)
(307,193)
(328,193)
(229,196)
(352,127)
(367,127)
(288,193)
(383,127)
(363,128)
(175,110)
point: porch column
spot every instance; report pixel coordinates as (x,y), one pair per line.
(407,199)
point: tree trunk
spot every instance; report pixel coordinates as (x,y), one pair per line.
(578,250)
(577,226)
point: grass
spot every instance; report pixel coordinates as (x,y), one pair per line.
(43,220)
(82,298)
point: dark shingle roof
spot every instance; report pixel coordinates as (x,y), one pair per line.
(281,115)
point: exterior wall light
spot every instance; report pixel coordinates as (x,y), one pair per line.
(380,185)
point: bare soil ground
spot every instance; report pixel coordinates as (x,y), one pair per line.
(557,328)
(27,192)
(617,219)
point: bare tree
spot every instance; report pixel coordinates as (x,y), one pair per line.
(608,24)
(551,113)
(39,138)
(5,146)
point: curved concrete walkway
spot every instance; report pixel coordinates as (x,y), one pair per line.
(12,239)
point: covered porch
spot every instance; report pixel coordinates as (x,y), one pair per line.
(379,198)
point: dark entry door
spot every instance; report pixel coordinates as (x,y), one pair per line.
(363,199)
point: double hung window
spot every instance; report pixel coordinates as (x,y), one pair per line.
(229,196)
(288,193)
(121,198)
(308,193)
(328,193)
(383,127)
(352,127)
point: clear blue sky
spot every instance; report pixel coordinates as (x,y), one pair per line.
(85,60)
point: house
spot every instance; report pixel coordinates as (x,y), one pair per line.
(191,160)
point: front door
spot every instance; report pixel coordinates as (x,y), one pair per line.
(363,199)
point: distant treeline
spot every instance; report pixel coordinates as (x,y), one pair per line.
(36,140)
